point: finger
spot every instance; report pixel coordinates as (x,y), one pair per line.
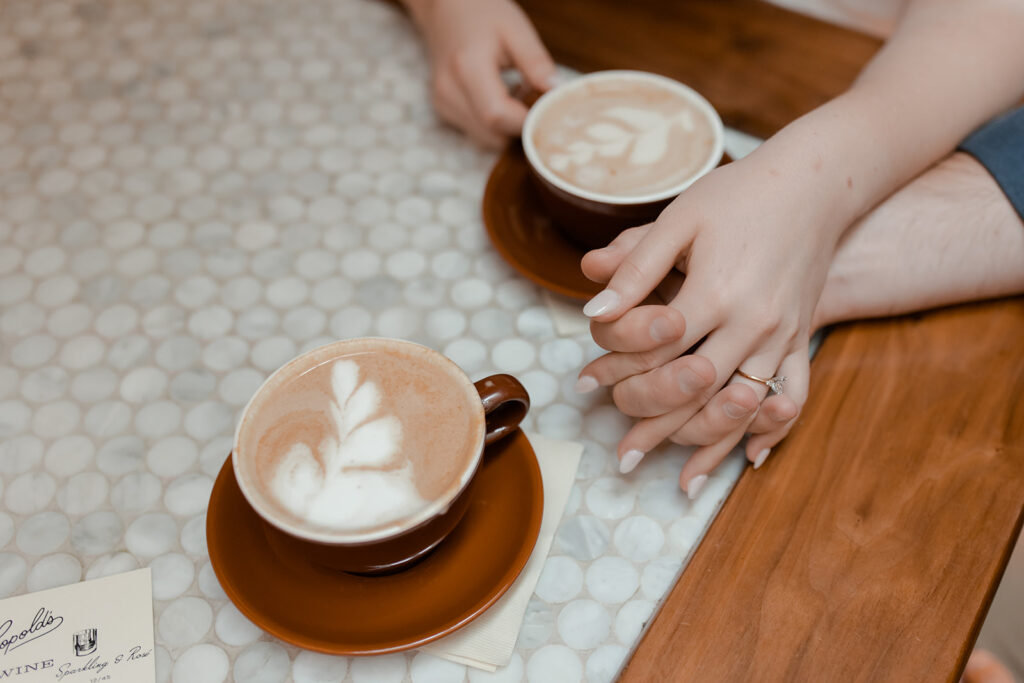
(729,352)
(668,289)
(667,388)
(775,412)
(796,367)
(640,272)
(530,56)
(648,433)
(695,472)
(985,667)
(612,368)
(451,105)
(617,366)
(721,348)
(730,409)
(492,106)
(641,329)
(599,264)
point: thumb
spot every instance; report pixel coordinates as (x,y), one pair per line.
(530,56)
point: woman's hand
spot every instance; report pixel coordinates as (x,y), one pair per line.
(470,42)
(754,247)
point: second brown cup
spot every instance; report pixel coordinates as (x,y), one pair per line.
(611,149)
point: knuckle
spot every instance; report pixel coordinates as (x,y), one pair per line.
(763,326)
(491,116)
(645,360)
(630,272)
(462,64)
(716,299)
(626,402)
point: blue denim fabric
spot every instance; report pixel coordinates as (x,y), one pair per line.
(999,146)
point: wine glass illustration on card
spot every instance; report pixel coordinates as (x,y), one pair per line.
(85,642)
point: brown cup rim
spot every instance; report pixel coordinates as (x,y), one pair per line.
(695,98)
(339,538)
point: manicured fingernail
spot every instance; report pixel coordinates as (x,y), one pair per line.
(663,331)
(735,410)
(585,384)
(555,80)
(689,381)
(695,485)
(761,457)
(605,301)
(630,459)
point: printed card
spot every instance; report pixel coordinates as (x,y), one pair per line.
(98,631)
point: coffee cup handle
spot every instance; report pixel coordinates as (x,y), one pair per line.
(505,404)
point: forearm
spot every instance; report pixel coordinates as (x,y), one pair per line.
(948,67)
(949,236)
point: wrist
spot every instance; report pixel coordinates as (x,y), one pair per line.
(829,163)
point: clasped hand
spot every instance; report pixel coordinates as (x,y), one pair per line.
(740,276)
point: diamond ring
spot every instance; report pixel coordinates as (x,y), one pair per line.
(774,383)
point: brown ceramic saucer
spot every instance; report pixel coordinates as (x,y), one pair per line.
(343,614)
(523,234)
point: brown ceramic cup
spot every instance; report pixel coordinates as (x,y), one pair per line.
(590,219)
(500,400)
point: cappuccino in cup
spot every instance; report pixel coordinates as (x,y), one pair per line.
(610,149)
(624,136)
(365,447)
(354,444)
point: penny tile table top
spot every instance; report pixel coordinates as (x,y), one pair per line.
(193,192)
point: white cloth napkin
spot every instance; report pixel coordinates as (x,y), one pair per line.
(488,641)
(566,315)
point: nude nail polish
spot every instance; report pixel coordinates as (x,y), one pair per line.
(761,457)
(630,459)
(585,384)
(606,300)
(695,485)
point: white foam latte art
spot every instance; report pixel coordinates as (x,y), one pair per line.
(619,129)
(621,135)
(353,484)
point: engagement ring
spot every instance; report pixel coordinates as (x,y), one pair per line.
(775,383)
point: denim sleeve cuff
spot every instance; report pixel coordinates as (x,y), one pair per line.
(999,146)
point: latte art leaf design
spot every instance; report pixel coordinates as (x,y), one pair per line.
(358,443)
(355,482)
(644,133)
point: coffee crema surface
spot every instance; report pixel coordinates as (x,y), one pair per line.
(361,442)
(623,137)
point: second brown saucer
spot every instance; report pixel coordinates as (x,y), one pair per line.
(524,235)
